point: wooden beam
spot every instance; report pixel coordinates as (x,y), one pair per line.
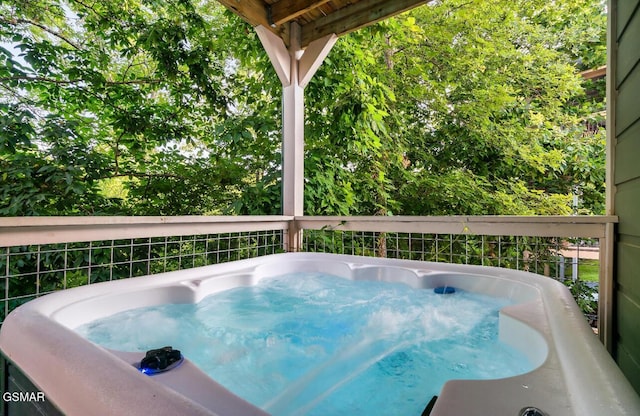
(287,10)
(255,13)
(355,16)
(252,11)
(594,73)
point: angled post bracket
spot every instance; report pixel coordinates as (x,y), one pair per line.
(313,57)
(277,52)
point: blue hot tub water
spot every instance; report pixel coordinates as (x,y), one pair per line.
(308,343)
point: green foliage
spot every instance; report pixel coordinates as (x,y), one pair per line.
(348,145)
(480,114)
(136,91)
(457,107)
(31,184)
(584,294)
(491,100)
(262,198)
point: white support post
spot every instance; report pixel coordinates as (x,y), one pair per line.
(293,133)
(295,68)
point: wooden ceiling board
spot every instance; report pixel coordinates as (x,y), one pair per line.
(317,18)
(287,10)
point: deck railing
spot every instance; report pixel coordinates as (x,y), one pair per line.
(39,255)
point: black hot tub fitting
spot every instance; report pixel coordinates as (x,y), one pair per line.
(160,360)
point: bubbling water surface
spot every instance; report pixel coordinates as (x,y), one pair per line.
(315,344)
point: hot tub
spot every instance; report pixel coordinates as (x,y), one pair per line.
(573,374)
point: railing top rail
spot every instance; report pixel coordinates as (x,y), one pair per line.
(535,226)
(564,219)
(135,220)
(17,231)
(47,230)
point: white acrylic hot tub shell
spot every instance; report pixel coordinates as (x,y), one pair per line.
(574,374)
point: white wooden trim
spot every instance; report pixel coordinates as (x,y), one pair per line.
(293,150)
(44,230)
(277,52)
(538,226)
(132,220)
(293,135)
(313,57)
(19,231)
(566,219)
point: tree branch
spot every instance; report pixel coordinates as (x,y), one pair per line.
(143,175)
(76,81)
(43,27)
(88,7)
